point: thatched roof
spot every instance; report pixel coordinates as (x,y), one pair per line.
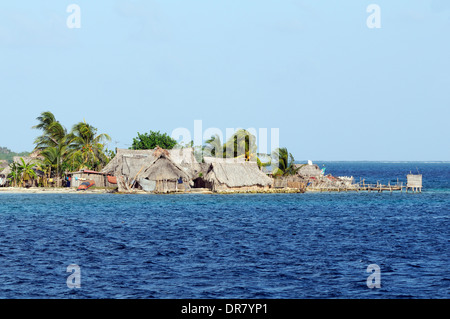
(26,159)
(237,175)
(127,162)
(163,168)
(3,164)
(131,162)
(6,171)
(36,154)
(308,170)
(207,159)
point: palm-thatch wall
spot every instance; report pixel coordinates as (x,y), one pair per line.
(293,181)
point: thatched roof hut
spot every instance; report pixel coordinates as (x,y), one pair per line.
(142,166)
(131,162)
(126,162)
(236,176)
(163,175)
(306,170)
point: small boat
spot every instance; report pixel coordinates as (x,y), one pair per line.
(85,185)
(112,179)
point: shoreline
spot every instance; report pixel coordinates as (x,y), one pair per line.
(67,190)
(49,190)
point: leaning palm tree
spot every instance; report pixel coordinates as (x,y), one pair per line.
(88,146)
(52,131)
(53,144)
(283,162)
(46,119)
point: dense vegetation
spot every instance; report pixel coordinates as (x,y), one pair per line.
(60,151)
(148,141)
(63,150)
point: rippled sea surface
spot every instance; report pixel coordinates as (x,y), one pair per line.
(313,245)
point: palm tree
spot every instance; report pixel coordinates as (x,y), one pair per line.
(284,162)
(15,174)
(88,146)
(46,119)
(241,144)
(81,148)
(55,158)
(265,162)
(53,131)
(53,144)
(213,146)
(26,170)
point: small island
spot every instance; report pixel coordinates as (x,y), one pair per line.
(78,160)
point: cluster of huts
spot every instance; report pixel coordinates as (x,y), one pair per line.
(177,170)
(163,171)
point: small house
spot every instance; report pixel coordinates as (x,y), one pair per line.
(156,170)
(414,182)
(163,175)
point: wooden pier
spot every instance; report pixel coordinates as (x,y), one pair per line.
(379,187)
(414,183)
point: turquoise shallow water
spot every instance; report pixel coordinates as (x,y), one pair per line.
(232,246)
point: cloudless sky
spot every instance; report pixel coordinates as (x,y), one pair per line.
(336,89)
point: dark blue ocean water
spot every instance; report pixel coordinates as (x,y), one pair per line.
(232,246)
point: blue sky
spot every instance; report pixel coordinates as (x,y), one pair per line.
(336,89)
